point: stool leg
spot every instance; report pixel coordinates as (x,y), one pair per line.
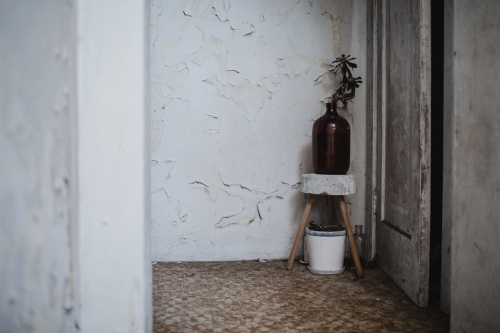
(331,205)
(350,236)
(300,232)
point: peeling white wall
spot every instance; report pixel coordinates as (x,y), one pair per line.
(235,89)
(38,267)
(113,165)
(74,166)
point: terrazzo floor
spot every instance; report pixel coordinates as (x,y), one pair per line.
(250,296)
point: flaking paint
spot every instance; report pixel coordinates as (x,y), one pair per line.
(235,89)
(38,247)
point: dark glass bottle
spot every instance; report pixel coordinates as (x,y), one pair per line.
(331,136)
(360,241)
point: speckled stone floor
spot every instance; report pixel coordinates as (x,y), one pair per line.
(249,296)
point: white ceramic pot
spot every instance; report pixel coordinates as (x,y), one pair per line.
(326,251)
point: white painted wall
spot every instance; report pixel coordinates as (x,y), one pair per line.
(472,158)
(113,161)
(74,258)
(38,267)
(236,87)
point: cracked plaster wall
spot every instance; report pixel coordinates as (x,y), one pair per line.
(235,89)
(74,258)
(38,267)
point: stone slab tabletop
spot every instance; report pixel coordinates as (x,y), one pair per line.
(328,184)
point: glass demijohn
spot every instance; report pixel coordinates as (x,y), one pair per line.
(331,136)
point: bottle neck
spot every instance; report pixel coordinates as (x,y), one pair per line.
(331,110)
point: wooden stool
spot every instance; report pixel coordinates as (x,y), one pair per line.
(330,185)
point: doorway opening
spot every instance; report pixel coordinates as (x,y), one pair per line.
(437,63)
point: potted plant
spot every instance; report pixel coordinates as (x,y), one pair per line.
(326,245)
(331,133)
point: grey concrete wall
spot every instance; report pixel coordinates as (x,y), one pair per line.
(38,268)
(473,189)
(448,130)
